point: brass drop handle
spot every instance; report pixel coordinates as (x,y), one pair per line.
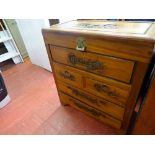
(80,44)
(92,111)
(67,75)
(105,89)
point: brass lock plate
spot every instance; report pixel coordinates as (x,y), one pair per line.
(80,44)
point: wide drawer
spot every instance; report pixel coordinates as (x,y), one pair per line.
(115,68)
(68,75)
(103,105)
(90,110)
(110,90)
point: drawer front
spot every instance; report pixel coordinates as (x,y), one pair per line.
(89,110)
(107,89)
(115,68)
(105,106)
(67,74)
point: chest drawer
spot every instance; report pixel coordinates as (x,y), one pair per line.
(110,90)
(67,74)
(115,68)
(89,110)
(96,102)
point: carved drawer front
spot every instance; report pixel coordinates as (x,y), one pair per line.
(67,74)
(110,90)
(105,106)
(90,110)
(115,68)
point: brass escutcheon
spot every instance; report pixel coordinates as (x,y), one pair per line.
(80,44)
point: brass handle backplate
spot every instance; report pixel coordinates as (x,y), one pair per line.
(105,89)
(88,63)
(67,75)
(82,95)
(90,110)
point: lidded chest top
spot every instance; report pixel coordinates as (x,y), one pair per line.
(129,40)
(139,30)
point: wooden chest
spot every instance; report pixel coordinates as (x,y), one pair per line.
(99,66)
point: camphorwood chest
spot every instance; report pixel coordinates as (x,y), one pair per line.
(99,66)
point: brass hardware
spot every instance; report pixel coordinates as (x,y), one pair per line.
(89,64)
(67,75)
(105,89)
(80,44)
(92,111)
(83,95)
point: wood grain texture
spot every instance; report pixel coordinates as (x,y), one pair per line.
(126,56)
(115,91)
(112,67)
(92,100)
(131,31)
(68,75)
(89,110)
(98,44)
(107,90)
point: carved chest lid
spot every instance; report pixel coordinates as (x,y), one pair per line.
(145,30)
(108,26)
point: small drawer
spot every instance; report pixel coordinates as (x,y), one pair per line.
(65,99)
(96,102)
(108,89)
(114,68)
(67,75)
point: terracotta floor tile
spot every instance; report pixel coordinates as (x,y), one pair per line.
(35,107)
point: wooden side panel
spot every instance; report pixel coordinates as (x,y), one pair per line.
(115,68)
(96,102)
(89,110)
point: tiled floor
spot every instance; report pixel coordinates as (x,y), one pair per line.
(35,107)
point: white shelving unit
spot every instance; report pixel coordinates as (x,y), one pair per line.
(13,52)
